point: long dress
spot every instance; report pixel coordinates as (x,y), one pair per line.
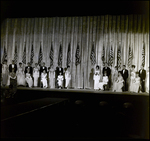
(68,78)
(96,79)
(132,79)
(44,80)
(115,76)
(60,80)
(20,76)
(35,76)
(136,84)
(147,82)
(118,84)
(105,81)
(52,78)
(12,80)
(29,80)
(5,73)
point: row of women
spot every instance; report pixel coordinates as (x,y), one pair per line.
(117,80)
(137,82)
(18,76)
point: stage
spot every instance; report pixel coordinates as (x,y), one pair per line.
(75,114)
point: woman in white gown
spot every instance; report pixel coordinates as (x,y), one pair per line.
(104,81)
(51,76)
(44,79)
(147,81)
(136,83)
(29,78)
(36,75)
(96,78)
(132,78)
(67,77)
(20,75)
(60,80)
(115,75)
(5,73)
(118,84)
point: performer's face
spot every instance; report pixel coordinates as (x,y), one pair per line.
(13,62)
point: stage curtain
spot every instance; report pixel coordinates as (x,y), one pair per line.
(108,30)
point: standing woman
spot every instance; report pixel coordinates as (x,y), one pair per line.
(132,78)
(51,76)
(5,73)
(96,78)
(29,78)
(20,75)
(12,80)
(147,81)
(36,75)
(67,77)
(44,79)
(115,75)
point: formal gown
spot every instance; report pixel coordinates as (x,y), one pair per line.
(136,84)
(29,80)
(68,78)
(114,77)
(147,82)
(105,81)
(132,80)
(52,78)
(35,76)
(20,76)
(12,80)
(96,79)
(44,79)
(5,74)
(60,80)
(118,84)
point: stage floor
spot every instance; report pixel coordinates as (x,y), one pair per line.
(78,91)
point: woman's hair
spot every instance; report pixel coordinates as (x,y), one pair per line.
(48,68)
(97,66)
(133,66)
(68,66)
(5,60)
(20,63)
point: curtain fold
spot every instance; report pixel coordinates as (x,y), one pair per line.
(107,30)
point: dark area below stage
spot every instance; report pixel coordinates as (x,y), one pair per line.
(74,114)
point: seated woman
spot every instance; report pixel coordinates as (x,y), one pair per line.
(5,73)
(104,81)
(136,83)
(60,80)
(118,84)
(29,78)
(44,79)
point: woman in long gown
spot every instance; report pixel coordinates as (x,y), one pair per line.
(36,75)
(104,81)
(115,75)
(60,80)
(5,73)
(96,78)
(12,80)
(147,81)
(136,83)
(67,77)
(44,79)
(20,75)
(132,78)
(51,76)
(118,84)
(29,78)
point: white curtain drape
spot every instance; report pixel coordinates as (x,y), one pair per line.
(107,30)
